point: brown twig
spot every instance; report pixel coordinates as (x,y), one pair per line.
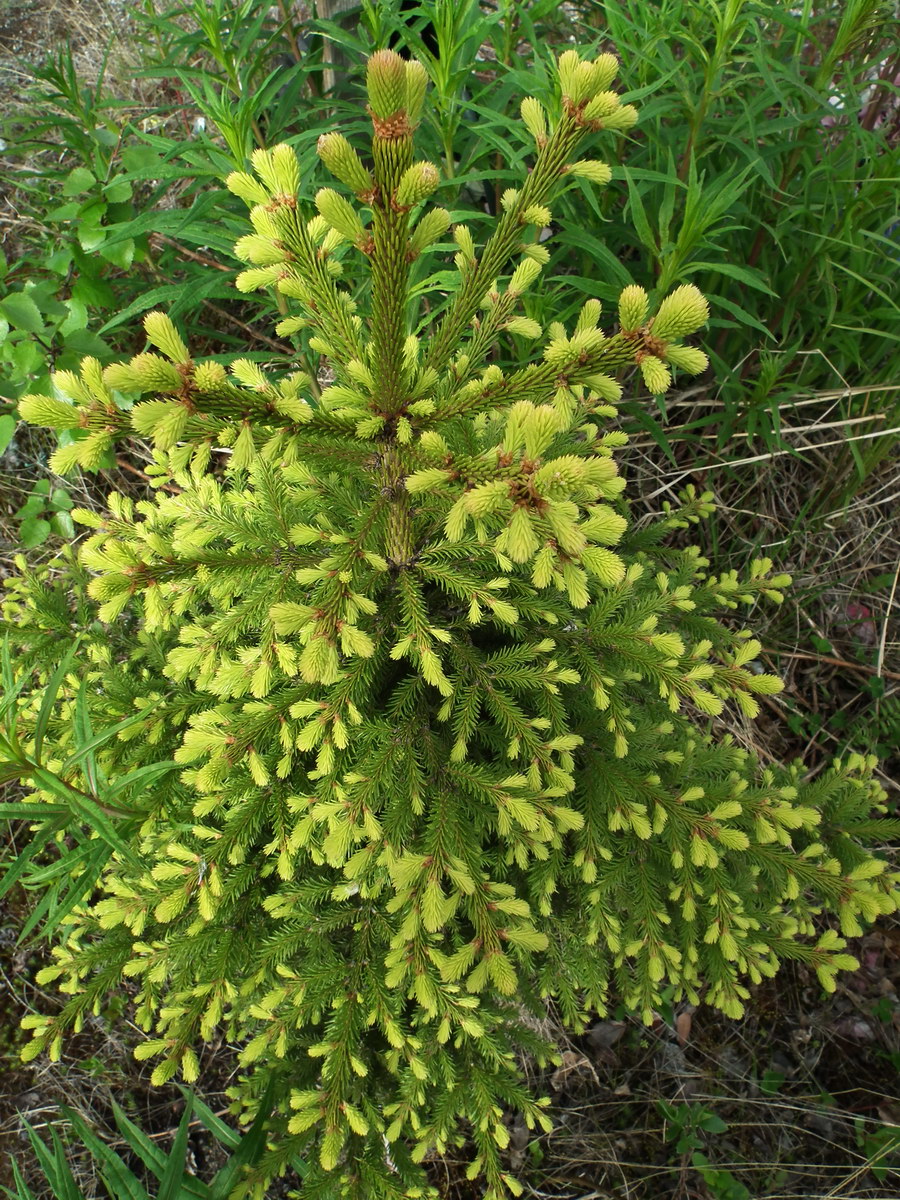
(127,466)
(186,253)
(862,668)
(290,32)
(209,262)
(254,333)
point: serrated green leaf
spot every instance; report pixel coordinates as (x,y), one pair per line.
(7,431)
(120,255)
(78,181)
(22,312)
(117,190)
(34,532)
(77,318)
(62,525)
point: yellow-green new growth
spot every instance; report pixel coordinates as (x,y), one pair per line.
(596,172)
(682,312)
(278,169)
(416,184)
(163,334)
(48,411)
(656,374)
(430,227)
(535,119)
(634,304)
(342,160)
(341,216)
(386,81)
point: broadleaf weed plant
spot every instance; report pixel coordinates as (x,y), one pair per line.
(766,163)
(46,294)
(239,61)
(382,728)
(117,183)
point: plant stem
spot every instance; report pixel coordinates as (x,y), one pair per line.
(540,183)
(399,538)
(390,272)
(390,276)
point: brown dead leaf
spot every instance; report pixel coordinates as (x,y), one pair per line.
(519,1137)
(854,1029)
(573,1064)
(683,1023)
(605,1034)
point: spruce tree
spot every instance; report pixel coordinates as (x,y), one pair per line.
(387,730)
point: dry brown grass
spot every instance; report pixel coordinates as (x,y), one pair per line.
(803,1083)
(99,33)
(844,559)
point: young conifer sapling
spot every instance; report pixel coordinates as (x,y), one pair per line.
(442,717)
